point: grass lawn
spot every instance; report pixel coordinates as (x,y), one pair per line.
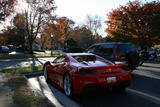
(23,96)
(23,69)
(18,56)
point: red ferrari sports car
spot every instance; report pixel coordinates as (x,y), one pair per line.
(73,72)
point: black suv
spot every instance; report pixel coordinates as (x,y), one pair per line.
(117,51)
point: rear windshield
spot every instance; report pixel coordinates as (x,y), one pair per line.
(87,58)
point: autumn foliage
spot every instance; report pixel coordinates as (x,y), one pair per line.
(61,29)
(135,22)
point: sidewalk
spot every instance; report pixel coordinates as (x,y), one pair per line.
(5,93)
(55,96)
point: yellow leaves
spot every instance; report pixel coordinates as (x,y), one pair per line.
(19,19)
(135,36)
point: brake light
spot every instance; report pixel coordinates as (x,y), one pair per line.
(111,70)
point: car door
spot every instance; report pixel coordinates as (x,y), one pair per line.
(58,69)
(62,68)
(52,69)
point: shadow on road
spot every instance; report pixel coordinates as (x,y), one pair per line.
(146,84)
(104,98)
(151,66)
(34,68)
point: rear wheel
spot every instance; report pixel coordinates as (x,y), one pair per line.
(67,84)
(141,62)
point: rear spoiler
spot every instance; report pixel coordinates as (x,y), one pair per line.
(105,67)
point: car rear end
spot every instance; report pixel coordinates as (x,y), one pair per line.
(108,76)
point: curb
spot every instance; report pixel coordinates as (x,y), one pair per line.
(55,96)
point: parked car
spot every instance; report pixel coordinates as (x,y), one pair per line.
(4,49)
(22,48)
(74,72)
(117,51)
(11,48)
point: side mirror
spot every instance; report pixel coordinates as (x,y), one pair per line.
(47,62)
(53,61)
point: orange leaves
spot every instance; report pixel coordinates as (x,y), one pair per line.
(19,20)
(3,37)
(136,20)
(60,29)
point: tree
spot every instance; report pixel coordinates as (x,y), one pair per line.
(18,35)
(38,15)
(4,37)
(82,36)
(135,22)
(6,8)
(93,23)
(71,43)
(15,34)
(61,30)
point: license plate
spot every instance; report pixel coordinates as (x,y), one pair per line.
(111,79)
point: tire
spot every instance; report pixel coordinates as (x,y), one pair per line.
(67,85)
(141,62)
(120,89)
(132,60)
(45,73)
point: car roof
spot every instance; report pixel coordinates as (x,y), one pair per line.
(76,54)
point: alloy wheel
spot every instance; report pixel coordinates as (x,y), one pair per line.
(67,85)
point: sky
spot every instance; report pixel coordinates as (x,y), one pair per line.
(78,9)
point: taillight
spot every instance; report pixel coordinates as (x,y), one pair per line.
(86,71)
(124,76)
(111,70)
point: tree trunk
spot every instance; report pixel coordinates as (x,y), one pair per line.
(31,47)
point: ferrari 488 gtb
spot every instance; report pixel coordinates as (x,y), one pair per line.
(74,72)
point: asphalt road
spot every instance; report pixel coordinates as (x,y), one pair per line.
(143,92)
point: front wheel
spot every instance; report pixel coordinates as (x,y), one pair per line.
(45,74)
(67,84)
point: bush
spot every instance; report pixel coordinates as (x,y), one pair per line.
(75,50)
